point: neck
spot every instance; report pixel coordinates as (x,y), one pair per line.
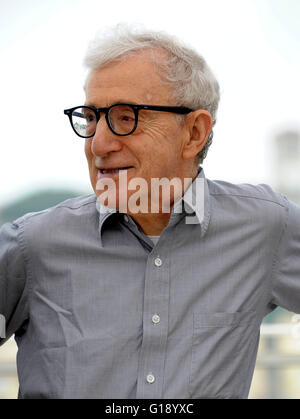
(153,224)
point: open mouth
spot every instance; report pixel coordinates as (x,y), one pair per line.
(112,171)
(115,171)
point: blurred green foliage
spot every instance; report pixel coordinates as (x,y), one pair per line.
(36,201)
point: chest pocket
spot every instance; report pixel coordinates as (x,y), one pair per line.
(220,353)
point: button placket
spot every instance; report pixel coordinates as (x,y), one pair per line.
(155,331)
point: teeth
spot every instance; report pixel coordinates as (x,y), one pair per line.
(104,171)
(110,171)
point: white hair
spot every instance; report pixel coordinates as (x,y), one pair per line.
(192,81)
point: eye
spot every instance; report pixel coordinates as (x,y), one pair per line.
(126,118)
(124,114)
(89,116)
(122,119)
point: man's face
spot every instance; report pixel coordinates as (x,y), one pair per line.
(154,150)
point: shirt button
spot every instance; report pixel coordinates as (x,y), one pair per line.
(150,378)
(126,218)
(155,319)
(158,262)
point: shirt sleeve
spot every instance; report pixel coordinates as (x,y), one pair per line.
(286,285)
(13,290)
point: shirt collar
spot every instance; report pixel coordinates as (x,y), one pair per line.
(195,203)
(104,214)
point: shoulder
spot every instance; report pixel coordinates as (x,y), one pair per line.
(54,218)
(256,205)
(262,193)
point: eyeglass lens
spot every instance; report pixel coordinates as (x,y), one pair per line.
(121,119)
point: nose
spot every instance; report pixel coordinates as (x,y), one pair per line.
(104,140)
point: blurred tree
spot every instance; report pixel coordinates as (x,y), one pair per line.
(36,201)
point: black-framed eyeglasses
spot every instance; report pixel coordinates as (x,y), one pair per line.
(121,118)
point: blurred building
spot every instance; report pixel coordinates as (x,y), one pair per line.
(286,164)
(277,372)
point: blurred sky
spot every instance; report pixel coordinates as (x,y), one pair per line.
(253,47)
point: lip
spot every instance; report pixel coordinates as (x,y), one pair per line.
(102,175)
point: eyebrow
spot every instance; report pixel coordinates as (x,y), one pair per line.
(89,104)
(121,101)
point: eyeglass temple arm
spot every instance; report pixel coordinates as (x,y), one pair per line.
(69,112)
(80,115)
(175,109)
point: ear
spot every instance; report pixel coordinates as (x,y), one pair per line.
(199,125)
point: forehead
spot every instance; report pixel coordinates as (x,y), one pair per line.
(135,79)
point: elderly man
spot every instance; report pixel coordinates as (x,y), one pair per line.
(135,292)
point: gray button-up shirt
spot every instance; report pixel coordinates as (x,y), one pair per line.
(99,311)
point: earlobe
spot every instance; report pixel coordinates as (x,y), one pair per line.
(200,128)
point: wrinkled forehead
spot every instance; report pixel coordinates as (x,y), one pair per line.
(136,75)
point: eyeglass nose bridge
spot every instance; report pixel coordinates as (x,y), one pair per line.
(98,113)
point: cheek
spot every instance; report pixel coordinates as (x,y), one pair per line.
(87,148)
(154,129)
(92,170)
(156,139)
(165,141)
(163,133)
(88,151)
